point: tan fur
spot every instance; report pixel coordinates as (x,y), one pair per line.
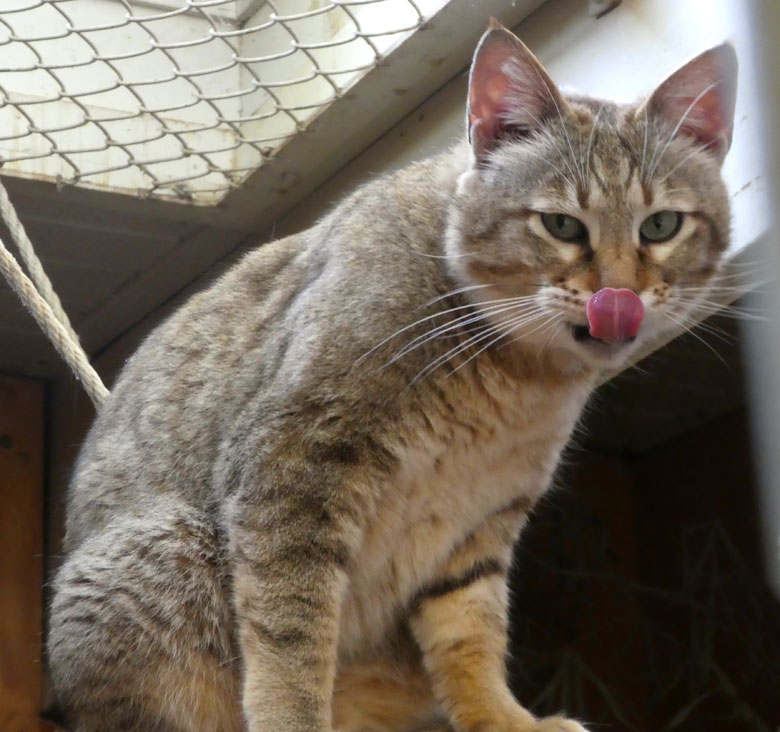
(298,506)
(386,696)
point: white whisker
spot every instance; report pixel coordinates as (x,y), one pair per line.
(727,311)
(590,139)
(454,351)
(708,327)
(438,331)
(487,332)
(710,310)
(553,325)
(439,314)
(687,327)
(696,150)
(498,338)
(458,291)
(644,148)
(563,175)
(554,328)
(446,256)
(565,131)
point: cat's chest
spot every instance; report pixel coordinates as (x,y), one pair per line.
(464,462)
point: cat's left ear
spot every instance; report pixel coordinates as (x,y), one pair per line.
(510,93)
(698,99)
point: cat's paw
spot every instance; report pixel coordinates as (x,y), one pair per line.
(557,724)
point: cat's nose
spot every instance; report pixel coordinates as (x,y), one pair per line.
(615,315)
(617,266)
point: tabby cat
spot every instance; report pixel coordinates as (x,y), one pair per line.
(296,511)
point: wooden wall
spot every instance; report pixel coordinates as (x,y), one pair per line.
(640,602)
(21,553)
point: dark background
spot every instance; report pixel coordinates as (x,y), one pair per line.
(638,595)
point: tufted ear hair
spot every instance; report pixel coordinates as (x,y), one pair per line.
(510,93)
(698,99)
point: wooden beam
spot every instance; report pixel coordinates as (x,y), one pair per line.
(21,554)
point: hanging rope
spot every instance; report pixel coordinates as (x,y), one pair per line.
(38,296)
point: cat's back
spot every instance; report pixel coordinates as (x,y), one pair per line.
(159,428)
(290,312)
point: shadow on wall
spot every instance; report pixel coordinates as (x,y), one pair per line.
(639,602)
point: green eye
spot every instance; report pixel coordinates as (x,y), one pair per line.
(660,226)
(565,228)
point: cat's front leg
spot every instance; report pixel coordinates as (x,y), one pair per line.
(293,535)
(460,623)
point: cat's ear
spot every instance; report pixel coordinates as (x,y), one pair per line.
(510,94)
(698,99)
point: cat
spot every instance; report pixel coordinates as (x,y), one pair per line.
(296,510)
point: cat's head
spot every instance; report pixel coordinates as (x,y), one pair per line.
(585,228)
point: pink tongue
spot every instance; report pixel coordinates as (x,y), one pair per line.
(615,315)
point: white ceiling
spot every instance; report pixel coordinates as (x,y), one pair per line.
(113,259)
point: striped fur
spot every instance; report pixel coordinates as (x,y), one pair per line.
(296,511)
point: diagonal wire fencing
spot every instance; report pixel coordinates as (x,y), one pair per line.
(178,99)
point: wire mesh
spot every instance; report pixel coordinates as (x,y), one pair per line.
(178,98)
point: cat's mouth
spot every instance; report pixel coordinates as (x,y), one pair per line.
(581,334)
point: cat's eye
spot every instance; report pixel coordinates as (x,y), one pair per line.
(660,226)
(565,228)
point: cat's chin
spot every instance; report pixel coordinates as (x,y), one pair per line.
(595,352)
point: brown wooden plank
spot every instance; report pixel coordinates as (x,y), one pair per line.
(21,553)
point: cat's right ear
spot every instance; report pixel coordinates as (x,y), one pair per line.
(510,93)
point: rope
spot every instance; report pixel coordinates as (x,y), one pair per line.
(38,296)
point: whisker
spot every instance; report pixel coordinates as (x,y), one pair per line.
(696,299)
(446,256)
(710,328)
(740,279)
(495,340)
(714,331)
(473,329)
(467,319)
(439,314)
(644,148)
(590,139)
(458,291)
(553,324)
(695,151)
(422,339)
(687,327)
(454,351)
(563,175)
(746,263)
(721,282)
(554,328)
(487,332)
(639,369)
(727,311)
(727,294)
(565,131)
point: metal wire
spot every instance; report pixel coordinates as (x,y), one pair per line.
(178,98)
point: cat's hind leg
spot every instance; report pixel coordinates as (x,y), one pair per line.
(140,626)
